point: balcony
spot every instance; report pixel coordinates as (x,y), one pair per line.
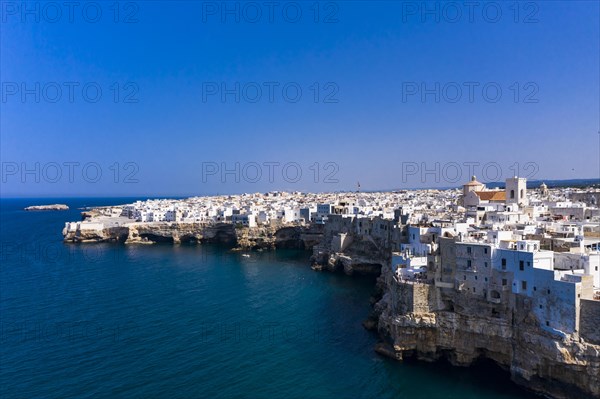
(500,287)
(494,300)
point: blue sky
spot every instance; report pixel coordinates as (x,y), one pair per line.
(379,104)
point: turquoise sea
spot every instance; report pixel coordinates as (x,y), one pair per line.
(164,321)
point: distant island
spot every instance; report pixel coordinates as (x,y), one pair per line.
(53,207)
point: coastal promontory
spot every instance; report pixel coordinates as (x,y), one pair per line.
(53,207)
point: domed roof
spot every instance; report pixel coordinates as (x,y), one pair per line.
(474,182)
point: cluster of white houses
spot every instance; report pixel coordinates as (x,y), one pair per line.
(542,243)
(277,208)
(538,244)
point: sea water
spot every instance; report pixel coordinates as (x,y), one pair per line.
(192,321)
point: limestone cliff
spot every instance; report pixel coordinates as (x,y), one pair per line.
(429,323)
(102,234)
(178,232)
(171,232)
(348,263)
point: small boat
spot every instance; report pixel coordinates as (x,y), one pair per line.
(245,255)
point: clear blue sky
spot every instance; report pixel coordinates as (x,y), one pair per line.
(369,57)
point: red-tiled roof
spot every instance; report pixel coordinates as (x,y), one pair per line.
(491,195)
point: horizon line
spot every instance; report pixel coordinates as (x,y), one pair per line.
(586,181)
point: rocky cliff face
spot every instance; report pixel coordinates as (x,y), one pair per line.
(108,234)
(361,257)
(349,264)
(181,232)
(429,323)
(221,233)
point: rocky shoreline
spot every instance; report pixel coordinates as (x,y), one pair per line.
(413,319)
(246,238)
(417,320)
(428,323)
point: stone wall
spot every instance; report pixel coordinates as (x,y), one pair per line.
(413,298)
(589,321)
(590,198)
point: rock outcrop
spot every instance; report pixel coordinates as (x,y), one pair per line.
(175,233)
(348,263)
(95,234)
(428,323)
(53,207)
(268,237)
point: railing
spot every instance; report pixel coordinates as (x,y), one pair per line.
(499,287)
(412,280)
(494,300)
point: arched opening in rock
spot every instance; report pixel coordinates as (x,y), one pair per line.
(156,238)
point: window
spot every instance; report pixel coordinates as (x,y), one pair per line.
(523,285)
(485,263)
(469,264)
(485,250)
(475,277)
(512,193)
(528,263)
(535,288)
(468,250)
(504,282)
(504,263)
(474,289)
(486,279)
(548,291)
(521,265)
(541,307)
(547,323)
(464,277)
